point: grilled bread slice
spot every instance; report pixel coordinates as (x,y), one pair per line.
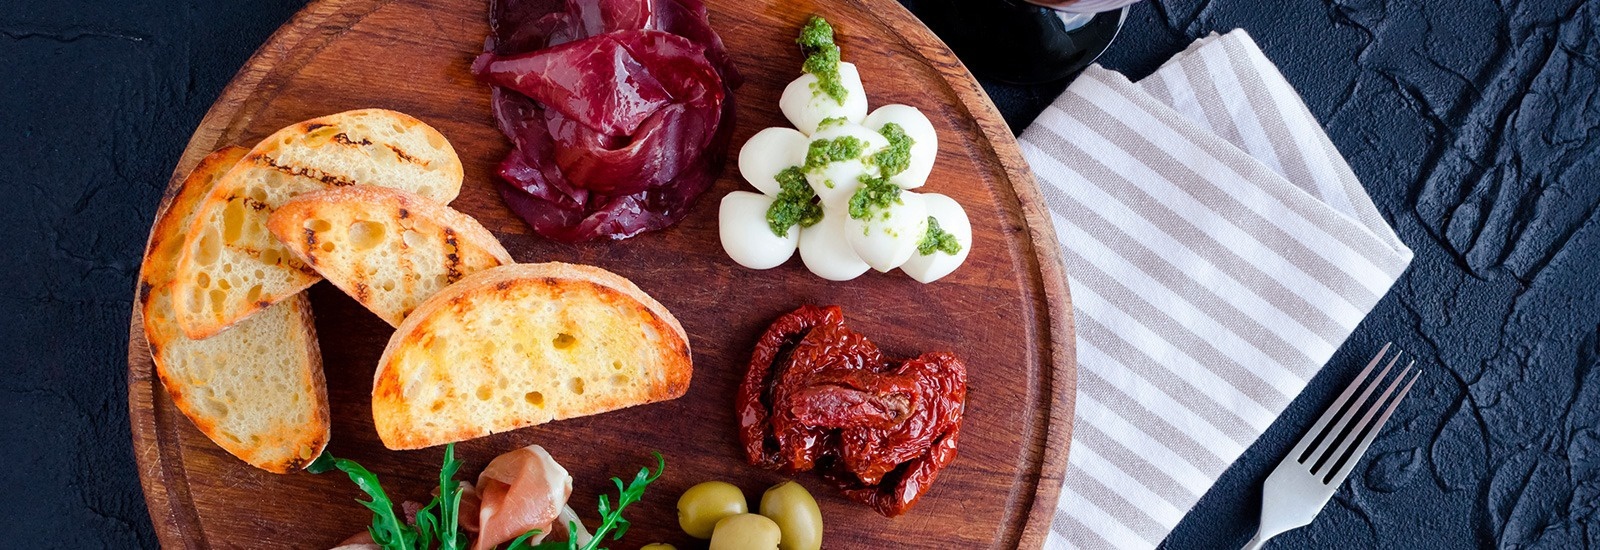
(524,344)
(387,248)
(233,267)
(255,389)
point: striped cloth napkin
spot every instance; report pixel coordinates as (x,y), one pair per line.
(1219,250)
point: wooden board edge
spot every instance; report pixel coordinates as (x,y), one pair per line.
(1046,254)
(153,467)
(158,471)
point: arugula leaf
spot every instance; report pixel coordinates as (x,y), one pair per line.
(440,519)
(522,541)
(387,530)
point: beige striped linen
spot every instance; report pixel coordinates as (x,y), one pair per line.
(1219,250)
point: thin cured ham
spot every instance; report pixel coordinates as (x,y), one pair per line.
(620,111)
(518,492)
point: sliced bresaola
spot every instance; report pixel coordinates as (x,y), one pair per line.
(628,110)
(521,26)
(546,203)
(597,81)
(688,18)
(620,111)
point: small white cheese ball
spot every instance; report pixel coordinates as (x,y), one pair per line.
(827,252)
(924,141)
(746,237)
(953,220)
(836,181)
(889,235)
(806,108)
(769,152)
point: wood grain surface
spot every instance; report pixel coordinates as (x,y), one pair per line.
(1006,312)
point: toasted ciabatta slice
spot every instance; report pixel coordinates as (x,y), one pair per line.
(255,389)
(387,248)
(233,267)
(524,344)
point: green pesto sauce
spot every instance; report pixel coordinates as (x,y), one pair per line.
(895,158)
(937,240)
(822,58)
(875,194)
(831,122)
(796,203)
(815,35)
(823,152)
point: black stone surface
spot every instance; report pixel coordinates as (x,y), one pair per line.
(1474,125)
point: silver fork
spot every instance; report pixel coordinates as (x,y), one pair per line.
(1305,480)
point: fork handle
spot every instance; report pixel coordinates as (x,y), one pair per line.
(1257,541)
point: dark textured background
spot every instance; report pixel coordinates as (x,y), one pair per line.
(1474,124)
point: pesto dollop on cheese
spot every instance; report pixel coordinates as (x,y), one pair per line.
(795,204)
(895,158)
(822,58)
(830,122)
(937,240)
(823,152)
(875,194)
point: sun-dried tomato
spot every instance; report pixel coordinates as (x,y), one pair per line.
(818,395)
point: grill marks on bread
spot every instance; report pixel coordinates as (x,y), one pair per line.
(303,172)
(388,249)
(255,389)
(233,266)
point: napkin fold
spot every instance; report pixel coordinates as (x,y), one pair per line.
(1219,250)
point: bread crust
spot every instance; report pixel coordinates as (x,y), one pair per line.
(460,245)
(300,158)
(406,421)
(290,445)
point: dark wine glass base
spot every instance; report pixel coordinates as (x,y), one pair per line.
(1016,42)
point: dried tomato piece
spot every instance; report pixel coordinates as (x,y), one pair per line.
(753,402)
(818,395)
(827,350)
(901,491)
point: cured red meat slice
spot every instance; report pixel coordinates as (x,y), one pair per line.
(688,18)
(619,217)
(620,111)
(596,82)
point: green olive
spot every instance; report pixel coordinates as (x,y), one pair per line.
(703,505)
(658,546)
(746,532)
(792,508)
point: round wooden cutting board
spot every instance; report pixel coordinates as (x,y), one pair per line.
(1006,312)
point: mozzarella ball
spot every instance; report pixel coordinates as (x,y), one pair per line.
(769,152)
(889,235)
(836,181)
(953,220)
(807,108)
(924,146)
(746,237)
(826,250)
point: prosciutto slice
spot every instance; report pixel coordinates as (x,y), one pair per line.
(520,491)
(620,111)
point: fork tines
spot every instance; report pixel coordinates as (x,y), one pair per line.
(1334,444)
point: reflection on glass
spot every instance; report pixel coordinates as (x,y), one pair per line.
(1025,41)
